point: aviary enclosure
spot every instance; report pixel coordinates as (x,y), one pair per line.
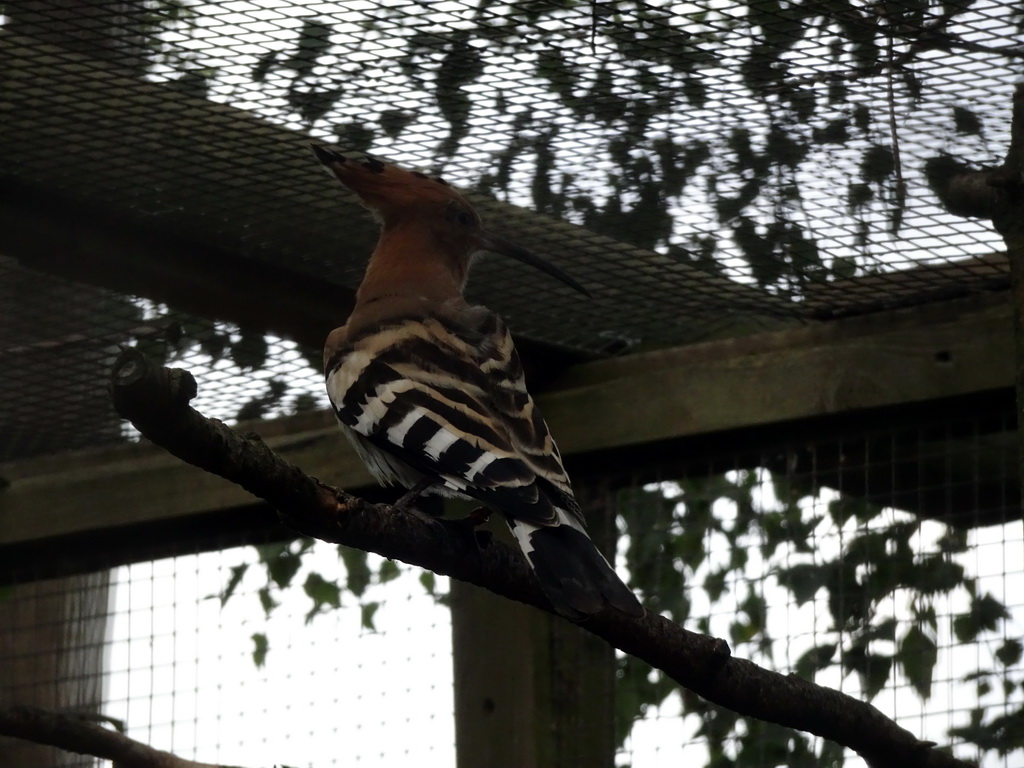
(789,407)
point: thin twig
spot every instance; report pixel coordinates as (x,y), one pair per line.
(894,134)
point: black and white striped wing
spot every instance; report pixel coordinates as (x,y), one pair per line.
(437,396)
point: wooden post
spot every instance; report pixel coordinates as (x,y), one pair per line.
(531,690)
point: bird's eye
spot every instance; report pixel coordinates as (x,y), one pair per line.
(460,214)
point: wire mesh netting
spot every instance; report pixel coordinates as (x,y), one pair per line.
(207,655)
(889,574)
(706,169)
(244,655)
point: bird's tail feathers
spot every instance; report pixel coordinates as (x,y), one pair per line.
(575,576)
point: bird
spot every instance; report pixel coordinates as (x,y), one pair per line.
(430,390)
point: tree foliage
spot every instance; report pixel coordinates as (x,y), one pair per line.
(705,132)
(859,593)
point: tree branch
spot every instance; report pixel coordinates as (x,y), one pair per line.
(156,399)
(75,734)
(991,193)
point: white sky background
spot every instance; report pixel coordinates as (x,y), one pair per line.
(332,693)
(181,672)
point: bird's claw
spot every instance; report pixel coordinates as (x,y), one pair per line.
(477,517)
(405,503)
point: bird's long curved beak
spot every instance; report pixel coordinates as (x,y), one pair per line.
(496,244)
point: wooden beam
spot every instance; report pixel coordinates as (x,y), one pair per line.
(611,407)
(139,484)
(909,356)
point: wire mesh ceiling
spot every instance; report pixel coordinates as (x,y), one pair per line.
(706,168)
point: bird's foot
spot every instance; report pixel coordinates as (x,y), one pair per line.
(405,503)
(473,521)
(477,517)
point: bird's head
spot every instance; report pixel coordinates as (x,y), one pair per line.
(424,206)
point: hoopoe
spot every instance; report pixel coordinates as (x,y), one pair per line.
(430,389)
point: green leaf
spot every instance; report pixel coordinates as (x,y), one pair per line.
(357,568)
(844,267)
(935,574)
(954,541)
(249,351)
(985,614)
(389,571)
(314,41)
(803,252)
(967,122)
(714,584)
(282,569)
(884,630)
(552,66)
(857,194)
(784,147)
(834,132)
(312,104)
(322,592)
(237,572)
(803,580)
(837,90)
(917,656)
(925,614)
(817,658)
(695,92)
(872,669)
(878,164)
(843,508)
(759,252)
(267,601)
(742,632)
(260,648)
(263,66)
(428,581)
(305,402)
(1003,735)
(1009,653)
(862,117)
(460,66)
(803,101)
(394,121)
(367,611)
(867,548)
(756,608)
(194,83)
(354,135)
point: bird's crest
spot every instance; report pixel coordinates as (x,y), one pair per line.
(388,190)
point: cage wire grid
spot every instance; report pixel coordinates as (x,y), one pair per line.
(377,74)
(179,655)
(368,66)
(218,679)
(372,75)
(804,597)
